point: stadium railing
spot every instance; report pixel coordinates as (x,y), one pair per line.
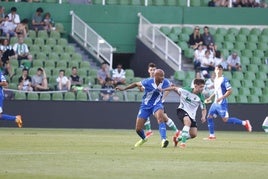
(160,42)
(91,40)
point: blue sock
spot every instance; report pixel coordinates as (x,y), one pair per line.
(163,130)
(141,134)
(234,120)
(211,125)
(8,117)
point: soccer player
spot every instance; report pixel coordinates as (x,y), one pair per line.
(17,119)
(151,104)
(190,100)
(223,89)
(168,121)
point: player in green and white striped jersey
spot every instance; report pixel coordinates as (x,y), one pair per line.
(190,100)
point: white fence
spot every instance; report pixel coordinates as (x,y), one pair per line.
(160,43)
(91,40)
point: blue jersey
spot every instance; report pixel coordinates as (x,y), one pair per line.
(152,95)
(221,85)
(2,79)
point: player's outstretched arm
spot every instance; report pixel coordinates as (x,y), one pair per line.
(132,85)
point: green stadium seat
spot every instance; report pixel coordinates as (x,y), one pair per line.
(84,64)
(264,31)
(263,38)
(189,53)
(55,34)
(241,38)
(73,64)
(236,83)
(33,70)
(69,96)
(230,38)
(39,41)
(57,96)
(258,53)
(195,3)
(49,64)
(69,49)
(179,75)
(253,38)
(249,75)
(58,49)
(129,73)
(256,91)
(182,3)
(42,34)
(166,30)
(245,60)
(32,34)
(51,41)
(222,31)
(81,96)
(253,68)
(112,2)
(124,2)
(53,56)
(32,96)
(242,99)
(228,45)
(159,2)
(218,44)
(259,84)
(262,46)
(60,28)
(251,46)
(183,45)
(46,49)
(253,99)
(62,64)
(261,75)
(231,99)
(255,31)
(184,37)
(187,30)
(233,31)
(219,38)
(263,68)
(83,72)
(173,37)
(264,99)
(247,53)
(45,96)
(77,57)
(13,85)
(136,2)
(235,92)
(190,74)
(228,75)
(244,31)
(247,83)
(20,95)
(244,91)
(176,30)
(28,41)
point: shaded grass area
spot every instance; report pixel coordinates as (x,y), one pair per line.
(90,153)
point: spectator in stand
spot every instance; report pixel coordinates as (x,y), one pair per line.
(39,80)
(25,81)
(22,28)
(212,48)
(6,52)
(219,60)
(75,80)
(103,73)
(48,22)
(37,20)
(2,13)
(195,38)
(207,37)
(63,83)
(233,62)
(108,91)
(14,17)
(8,28)
(118,76)
(199,53)
(207,63)
(21,51)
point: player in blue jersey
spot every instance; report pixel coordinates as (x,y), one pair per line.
(151,104)
(223,89)
(169,122)
(17,119)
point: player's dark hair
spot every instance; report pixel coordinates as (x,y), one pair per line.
(220,67)
(199,81)
(152,65)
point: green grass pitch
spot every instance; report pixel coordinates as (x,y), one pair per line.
(90,153)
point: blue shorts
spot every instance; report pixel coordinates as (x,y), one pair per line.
(218,109)
(145,113)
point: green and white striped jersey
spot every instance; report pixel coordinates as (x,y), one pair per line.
(189,101)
